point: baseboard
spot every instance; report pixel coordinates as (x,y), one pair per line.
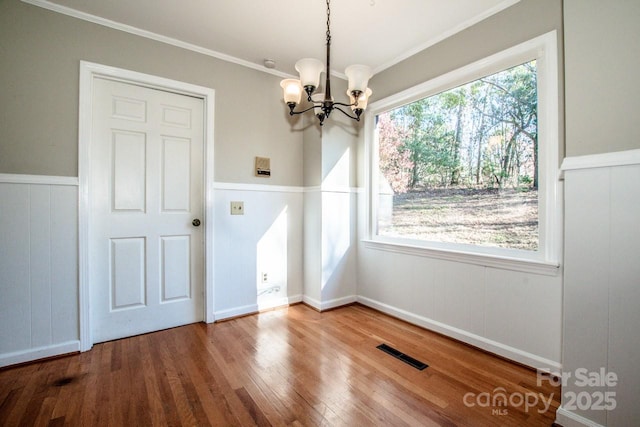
(569,419)
(494,347)
(337,302)
(330,304)
(279,302)
(235,312)
(32,354)
(312,302)
(246,310)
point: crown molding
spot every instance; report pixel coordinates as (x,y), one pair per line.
(153,36)
(445,35)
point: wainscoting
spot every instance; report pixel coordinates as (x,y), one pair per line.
(515,314)
(38,267)
(602,284)
(265,240)
(39,259)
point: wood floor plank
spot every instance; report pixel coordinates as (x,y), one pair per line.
(152,398)
(222,381)
(68,385)
(289,367)
(24,396)
(254,410)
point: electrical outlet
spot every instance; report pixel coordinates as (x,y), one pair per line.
(237,208)
(265,277)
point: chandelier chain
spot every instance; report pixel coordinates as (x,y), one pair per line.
(328,23)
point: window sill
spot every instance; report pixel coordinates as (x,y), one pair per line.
(485,260)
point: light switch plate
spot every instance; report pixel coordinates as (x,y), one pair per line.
(237,208)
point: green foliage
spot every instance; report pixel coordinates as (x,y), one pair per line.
(483,133)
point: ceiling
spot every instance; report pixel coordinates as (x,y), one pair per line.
(378,33)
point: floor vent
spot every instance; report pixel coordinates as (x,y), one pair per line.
(399,355)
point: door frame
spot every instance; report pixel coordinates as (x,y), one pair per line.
(89,71)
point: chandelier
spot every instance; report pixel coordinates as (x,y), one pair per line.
(323,104)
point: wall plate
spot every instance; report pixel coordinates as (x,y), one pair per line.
(237,208)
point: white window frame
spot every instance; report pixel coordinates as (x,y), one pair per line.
(547,259)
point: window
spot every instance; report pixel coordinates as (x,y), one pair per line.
(467,163)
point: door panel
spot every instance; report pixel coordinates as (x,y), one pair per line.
(176,160)
(146,186)
(176,283)
(129,170)
(128,284)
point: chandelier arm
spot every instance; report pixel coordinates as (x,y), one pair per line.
(346,105)
(291,112)
(356,118)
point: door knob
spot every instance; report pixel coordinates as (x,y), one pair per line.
(196,222)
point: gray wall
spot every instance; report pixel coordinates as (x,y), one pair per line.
(39,60)
(601,69)
(521,22)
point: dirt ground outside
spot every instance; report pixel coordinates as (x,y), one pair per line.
(488,217)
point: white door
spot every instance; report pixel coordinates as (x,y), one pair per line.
(146,262)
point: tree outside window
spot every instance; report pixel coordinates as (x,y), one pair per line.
(462,166)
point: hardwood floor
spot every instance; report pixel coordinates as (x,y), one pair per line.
(292,366)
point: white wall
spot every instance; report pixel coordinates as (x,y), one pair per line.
(329,247)
(313,247)
(339,248)
(513,314)
(339,210)
(330,162)
(39,259)
(268,239)
(602,284)
(38,267)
